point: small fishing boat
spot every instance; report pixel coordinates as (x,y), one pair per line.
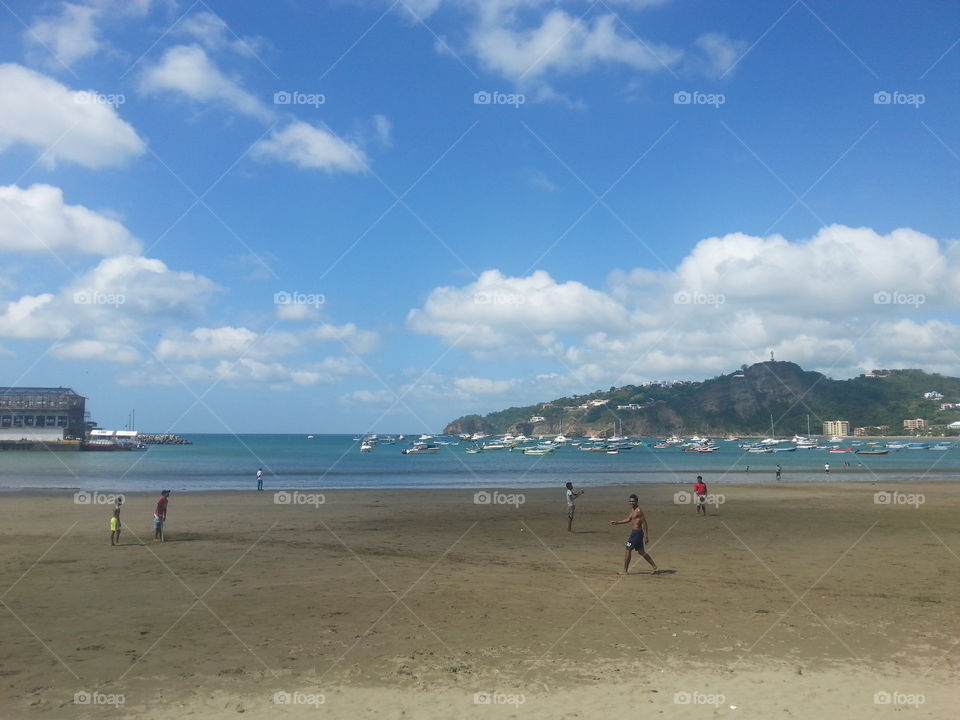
(538,450)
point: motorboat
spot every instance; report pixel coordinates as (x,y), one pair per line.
(421,448)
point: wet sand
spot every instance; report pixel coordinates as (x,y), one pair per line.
(787,599)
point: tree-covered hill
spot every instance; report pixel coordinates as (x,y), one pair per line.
(742,402)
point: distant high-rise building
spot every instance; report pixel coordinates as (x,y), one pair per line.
(836,427)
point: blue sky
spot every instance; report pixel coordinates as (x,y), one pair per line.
(349,216)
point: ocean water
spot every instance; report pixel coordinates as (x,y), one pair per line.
(229,462)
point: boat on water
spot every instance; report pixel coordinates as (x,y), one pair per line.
(873,452)
(421,448)
(366,447)
(101,440)
(785,449)
(942,446)
(760,450)
(110,445)
(840,450)
(499,445)
(538,450)
(918,446)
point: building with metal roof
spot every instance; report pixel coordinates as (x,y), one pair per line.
(41,414)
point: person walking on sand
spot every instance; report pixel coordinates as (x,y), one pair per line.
(259,478)
(778,471)
(700,495)
(638,520)
(115,526)
(160,515)
(572,494)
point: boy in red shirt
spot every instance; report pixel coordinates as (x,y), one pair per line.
(160,516)
(700,495)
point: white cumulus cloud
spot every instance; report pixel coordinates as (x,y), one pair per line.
(97,350)
(497,308)
(36,220)
(65,124)
(311,148)
(188,70)
(70,35)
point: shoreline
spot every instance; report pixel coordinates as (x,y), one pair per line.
(714,476)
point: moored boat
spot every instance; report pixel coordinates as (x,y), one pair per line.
(421,448)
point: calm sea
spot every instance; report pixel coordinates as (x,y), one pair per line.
(229,462)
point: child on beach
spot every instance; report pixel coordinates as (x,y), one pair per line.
(160,515)
(700,495)
(572,494)
(115,526)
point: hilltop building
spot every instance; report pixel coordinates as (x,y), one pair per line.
(41,414)
(836,427)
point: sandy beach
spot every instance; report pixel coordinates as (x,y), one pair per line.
(786,600)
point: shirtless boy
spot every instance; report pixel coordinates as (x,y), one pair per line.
(638,520)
